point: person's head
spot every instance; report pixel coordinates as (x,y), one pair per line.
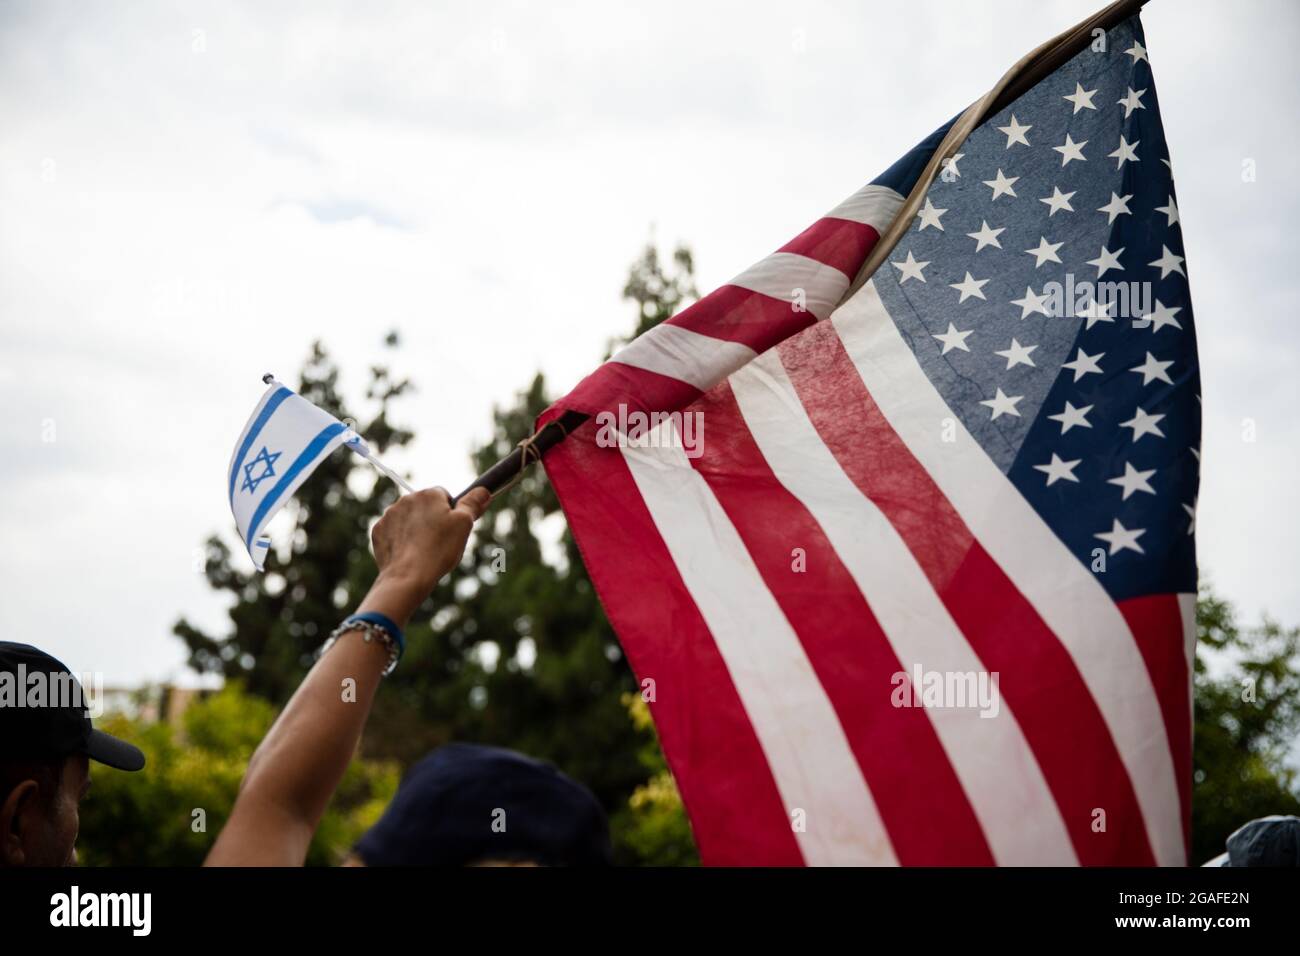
(46,745)
(471,805)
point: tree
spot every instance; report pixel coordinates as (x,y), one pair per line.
(512,648)
(170,814)
(1247,697)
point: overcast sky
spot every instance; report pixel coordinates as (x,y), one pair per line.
(191,193)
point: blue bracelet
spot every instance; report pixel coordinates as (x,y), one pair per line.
(387,623)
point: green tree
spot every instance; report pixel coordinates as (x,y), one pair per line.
(1247,719)
(511,649)
(170,814)
(652,826)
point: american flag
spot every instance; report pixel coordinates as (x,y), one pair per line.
(981,465)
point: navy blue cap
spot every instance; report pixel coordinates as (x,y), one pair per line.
(55,728)
(1268,841)
(467,803)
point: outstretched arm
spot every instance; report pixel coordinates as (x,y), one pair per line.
(295,770)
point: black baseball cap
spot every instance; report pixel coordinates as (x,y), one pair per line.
(468,803)
(57,725)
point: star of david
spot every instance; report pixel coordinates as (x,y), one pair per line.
(265,459)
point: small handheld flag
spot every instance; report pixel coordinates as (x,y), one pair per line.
(286,438)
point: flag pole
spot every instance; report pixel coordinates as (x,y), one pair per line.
(1031,68)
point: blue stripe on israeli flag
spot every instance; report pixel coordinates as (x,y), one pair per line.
(270,402)
(284,441)
(325,442)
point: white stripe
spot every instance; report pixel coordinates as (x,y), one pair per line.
(679,353)
(805,746)
(990,755)
(798,280)
(1062,590)
(874,206)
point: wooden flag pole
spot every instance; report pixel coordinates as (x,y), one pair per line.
(1031,68)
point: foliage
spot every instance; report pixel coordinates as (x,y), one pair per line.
(148,818)
(652,828)
(1247,719)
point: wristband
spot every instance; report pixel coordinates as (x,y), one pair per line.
(384,621)
(372,624)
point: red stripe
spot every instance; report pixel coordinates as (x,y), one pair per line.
(638,389)
(835,242)
(745,316)
(735,809)
(928,817)
(1039,680)
(1157,625)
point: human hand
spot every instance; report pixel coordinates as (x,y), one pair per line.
(417,540)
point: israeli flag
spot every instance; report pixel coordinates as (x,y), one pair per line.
(285,439)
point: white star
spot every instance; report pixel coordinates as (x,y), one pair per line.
(930,216)
(1057,470)
(1046,251)
(1018,354)
(1083,364)
(1071,416)
(1137,51)
(1168,262)
(1001,185)
(1096,311)
(970,286)
(1125,150)
(1058,200)
(910,268)
(1118,206)
(1191,513)
(986,236)
(1133,480)
(1152,370)
(1003,405)
(950,165)
(953,339)
(1106,260)
(1143,423)
(1032,302)
(1120,537)
(1071,150)
(1163,315)
(1081,98)
(1132,101)
(1171,211)
(1015,132)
